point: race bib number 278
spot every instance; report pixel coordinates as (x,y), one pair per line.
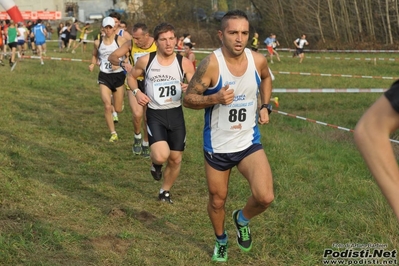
(167,91)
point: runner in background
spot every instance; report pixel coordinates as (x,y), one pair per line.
(111,78)
(141,44)
(23,35)
(188,52)
(82,38)
(39,33)
(1,44)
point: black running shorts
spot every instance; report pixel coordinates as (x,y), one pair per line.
(167,125)
(226,161)
(112,80)
(393,95)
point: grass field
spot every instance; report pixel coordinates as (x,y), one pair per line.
(69,197)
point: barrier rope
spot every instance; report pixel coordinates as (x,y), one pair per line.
(332,75)
(55,58)
(328,90)
(321,123)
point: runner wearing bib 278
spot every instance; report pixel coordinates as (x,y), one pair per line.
(164,71)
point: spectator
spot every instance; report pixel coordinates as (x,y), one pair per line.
(49,30)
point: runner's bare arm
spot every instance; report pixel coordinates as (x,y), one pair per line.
(204,77)
(120,52)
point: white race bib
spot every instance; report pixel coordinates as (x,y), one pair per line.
(166,92)
(237,116)
(106,66)
(137,55)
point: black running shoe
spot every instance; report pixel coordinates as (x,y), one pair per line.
(165,196)
(244,239)
(156,171)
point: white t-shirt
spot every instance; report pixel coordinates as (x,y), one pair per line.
(22,32)
(302,42)
(63,34)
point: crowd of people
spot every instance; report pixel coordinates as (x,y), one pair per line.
(272,43)
(72,34)
(18,38)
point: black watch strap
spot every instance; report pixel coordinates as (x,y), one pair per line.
(268,106)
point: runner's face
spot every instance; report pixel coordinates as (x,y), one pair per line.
(117,22)
(166,43)
(108,30)
(140,38)
(235,36)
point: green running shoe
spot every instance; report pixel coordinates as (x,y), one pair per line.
(220,252)
(116,120)
(244,239)
(113,138)
(137,146)
(145,151)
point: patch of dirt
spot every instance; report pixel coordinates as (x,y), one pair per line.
(117,213)
(110,243)
(144,216)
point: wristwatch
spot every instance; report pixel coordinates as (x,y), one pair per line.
(268,106)
(135,91)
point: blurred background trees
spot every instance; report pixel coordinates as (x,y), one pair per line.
(328,24)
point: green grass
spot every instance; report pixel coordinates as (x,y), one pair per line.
(68,197)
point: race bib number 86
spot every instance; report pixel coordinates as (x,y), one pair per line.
(237,116)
